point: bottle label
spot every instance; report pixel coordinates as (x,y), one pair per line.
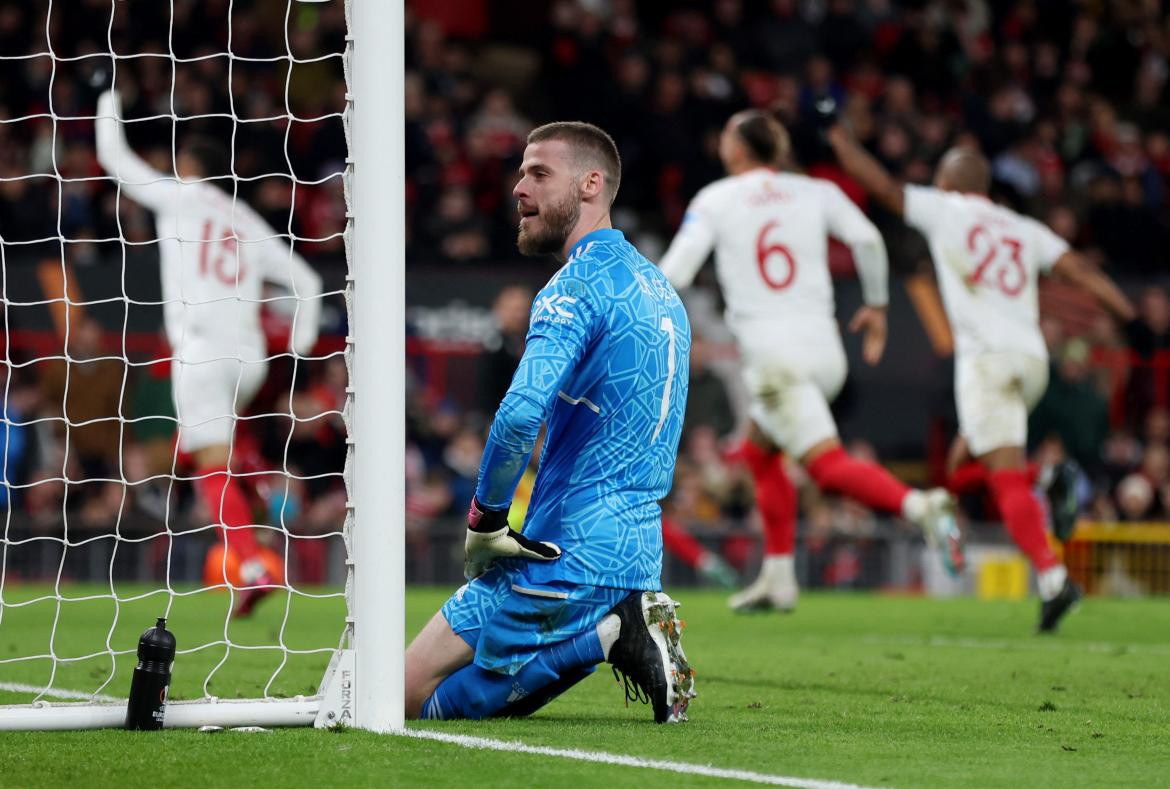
(158,714)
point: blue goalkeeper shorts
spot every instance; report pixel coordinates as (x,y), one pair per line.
(508,620)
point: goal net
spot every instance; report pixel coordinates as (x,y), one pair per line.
(177,230)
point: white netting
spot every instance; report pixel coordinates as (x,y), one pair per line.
(108,523)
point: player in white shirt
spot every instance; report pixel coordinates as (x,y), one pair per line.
(987,259)
(769,230)
(215,256)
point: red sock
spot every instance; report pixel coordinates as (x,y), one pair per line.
(1022,515)
(868,483)
(227,504)
(775,498)
(679,541)
(971,477)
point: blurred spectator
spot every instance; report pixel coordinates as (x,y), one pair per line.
(502,353)
(84,392)
(708,403)
(1072,408)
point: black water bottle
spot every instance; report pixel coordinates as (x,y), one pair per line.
(152,678)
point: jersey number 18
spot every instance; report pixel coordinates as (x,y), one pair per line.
(215,253)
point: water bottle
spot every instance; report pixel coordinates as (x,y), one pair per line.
(152,678)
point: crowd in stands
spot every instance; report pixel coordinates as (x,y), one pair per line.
(1068,100)
(176,79)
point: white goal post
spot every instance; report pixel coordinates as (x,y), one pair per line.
(362,686)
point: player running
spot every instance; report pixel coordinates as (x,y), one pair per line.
(987,259)
(769,231)
(605,366)
(215,254)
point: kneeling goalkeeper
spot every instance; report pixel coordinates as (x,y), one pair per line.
(606,367)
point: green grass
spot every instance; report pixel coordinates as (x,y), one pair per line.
(872,690)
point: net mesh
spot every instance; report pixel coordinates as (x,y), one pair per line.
(108,520)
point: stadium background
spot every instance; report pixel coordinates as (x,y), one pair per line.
(1068,99)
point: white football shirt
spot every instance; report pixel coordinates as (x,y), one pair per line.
(987,258)
(770,234)
(215,255)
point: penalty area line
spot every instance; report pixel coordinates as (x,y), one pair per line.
(621,760)
(55,693)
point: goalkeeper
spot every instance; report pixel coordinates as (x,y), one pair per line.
(216,254)
(605,366)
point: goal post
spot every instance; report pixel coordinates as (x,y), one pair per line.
(362,684)
(379,345)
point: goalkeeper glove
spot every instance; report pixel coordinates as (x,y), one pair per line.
(489,538)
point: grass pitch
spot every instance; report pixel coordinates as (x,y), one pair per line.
(865,689)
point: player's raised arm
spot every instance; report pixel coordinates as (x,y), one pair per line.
(1073,267)
(138,179)
(690,247)
(847,224)
(865,169)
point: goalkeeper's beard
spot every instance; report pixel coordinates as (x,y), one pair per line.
(556,223)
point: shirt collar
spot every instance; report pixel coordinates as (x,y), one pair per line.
(607,234)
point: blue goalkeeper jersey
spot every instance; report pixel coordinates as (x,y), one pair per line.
(606,366)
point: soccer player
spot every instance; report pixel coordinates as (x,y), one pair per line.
(215,254)
(987,259)
(605,367)
(770,230)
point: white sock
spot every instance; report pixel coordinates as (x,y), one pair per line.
(779,569)
(915,506)
(1051,581)
(608,630)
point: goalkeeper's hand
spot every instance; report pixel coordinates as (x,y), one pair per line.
(489,538)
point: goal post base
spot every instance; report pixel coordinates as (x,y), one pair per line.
(228,713)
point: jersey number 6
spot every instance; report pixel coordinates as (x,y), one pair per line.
(226,248)
(766,251)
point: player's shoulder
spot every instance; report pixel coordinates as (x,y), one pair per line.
(601,264)
(720,191)
(231,210)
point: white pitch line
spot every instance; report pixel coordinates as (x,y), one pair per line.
(56,693)
(1041,643)
(600,757)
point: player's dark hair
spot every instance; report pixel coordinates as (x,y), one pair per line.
(214,158)
(591,144)
(765,138)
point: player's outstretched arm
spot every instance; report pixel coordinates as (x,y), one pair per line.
(1072,267)
(871,321)
(138,180)
(690,247)
(289,270)
(849,225)
(865,169)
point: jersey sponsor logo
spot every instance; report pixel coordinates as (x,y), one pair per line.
(549,308)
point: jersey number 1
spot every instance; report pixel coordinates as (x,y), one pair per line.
(667,326)
(765,253)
